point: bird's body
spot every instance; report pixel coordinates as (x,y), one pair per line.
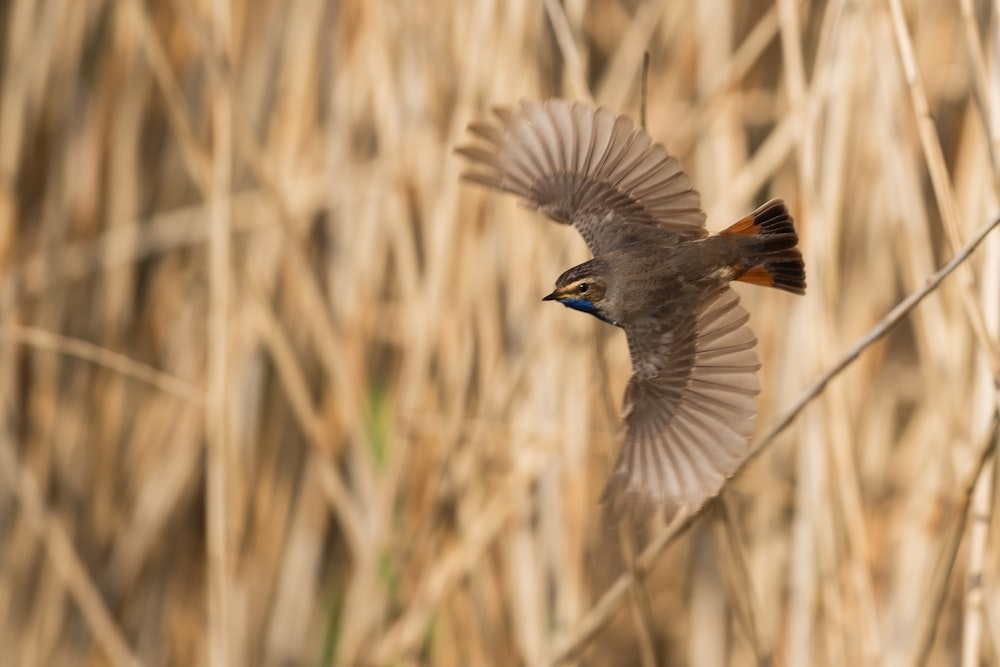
(656,273)
(661,274)
(649,284)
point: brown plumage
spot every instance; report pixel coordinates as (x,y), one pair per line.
(690,404)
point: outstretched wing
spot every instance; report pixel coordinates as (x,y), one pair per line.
(689,409)
(585,167)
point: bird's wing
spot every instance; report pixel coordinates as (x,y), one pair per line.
(689,409)
(586,167)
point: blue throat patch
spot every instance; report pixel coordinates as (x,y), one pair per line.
(585,306)
(580,304)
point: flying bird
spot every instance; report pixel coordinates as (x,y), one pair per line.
(657,273)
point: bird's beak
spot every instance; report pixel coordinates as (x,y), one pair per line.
(551,297)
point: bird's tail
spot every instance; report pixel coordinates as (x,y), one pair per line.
(766,250)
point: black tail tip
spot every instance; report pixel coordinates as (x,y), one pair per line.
(773,218)
(788,274)
(786,268)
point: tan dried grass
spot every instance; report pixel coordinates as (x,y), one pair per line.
(278,389)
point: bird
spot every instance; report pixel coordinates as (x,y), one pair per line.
(690,403)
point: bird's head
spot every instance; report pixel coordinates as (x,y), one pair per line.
(584,288)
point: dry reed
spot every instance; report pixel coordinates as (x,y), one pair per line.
(278,389)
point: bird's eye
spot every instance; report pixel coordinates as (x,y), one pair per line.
(582,287)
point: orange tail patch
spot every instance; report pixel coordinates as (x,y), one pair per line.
(758,275)
(744,227)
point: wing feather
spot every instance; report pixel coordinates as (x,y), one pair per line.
(586,167)
(689,409)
